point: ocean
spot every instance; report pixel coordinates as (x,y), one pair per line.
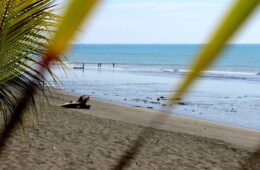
(144,75)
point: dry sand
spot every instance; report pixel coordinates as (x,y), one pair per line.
(96,138)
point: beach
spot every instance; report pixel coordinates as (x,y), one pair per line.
(96,138)
(145,89)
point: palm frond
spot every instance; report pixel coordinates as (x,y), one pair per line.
(32,26)
(240,12)
(77,12)
(23,29)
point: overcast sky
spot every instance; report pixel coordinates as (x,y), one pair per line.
(162,21)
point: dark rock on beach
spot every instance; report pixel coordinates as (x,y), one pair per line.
(155,102)
(181,103)
(145,101)
(233,110)
(137,100)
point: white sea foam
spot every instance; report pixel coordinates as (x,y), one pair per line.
(162,69)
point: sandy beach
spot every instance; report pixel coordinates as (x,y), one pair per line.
(96,138)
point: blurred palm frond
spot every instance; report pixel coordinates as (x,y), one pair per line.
(234,20)
(77,12)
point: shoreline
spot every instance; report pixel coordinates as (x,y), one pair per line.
(171,113)
(74,95)
(241,136)
(216,100)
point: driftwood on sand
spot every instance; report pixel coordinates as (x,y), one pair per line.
(80,103)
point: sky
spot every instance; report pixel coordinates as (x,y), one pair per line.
(162,22)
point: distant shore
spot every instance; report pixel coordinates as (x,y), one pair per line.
(96,138)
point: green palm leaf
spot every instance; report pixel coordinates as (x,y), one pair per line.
(24,26)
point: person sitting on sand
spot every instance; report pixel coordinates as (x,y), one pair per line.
(80,103)
(80,98)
